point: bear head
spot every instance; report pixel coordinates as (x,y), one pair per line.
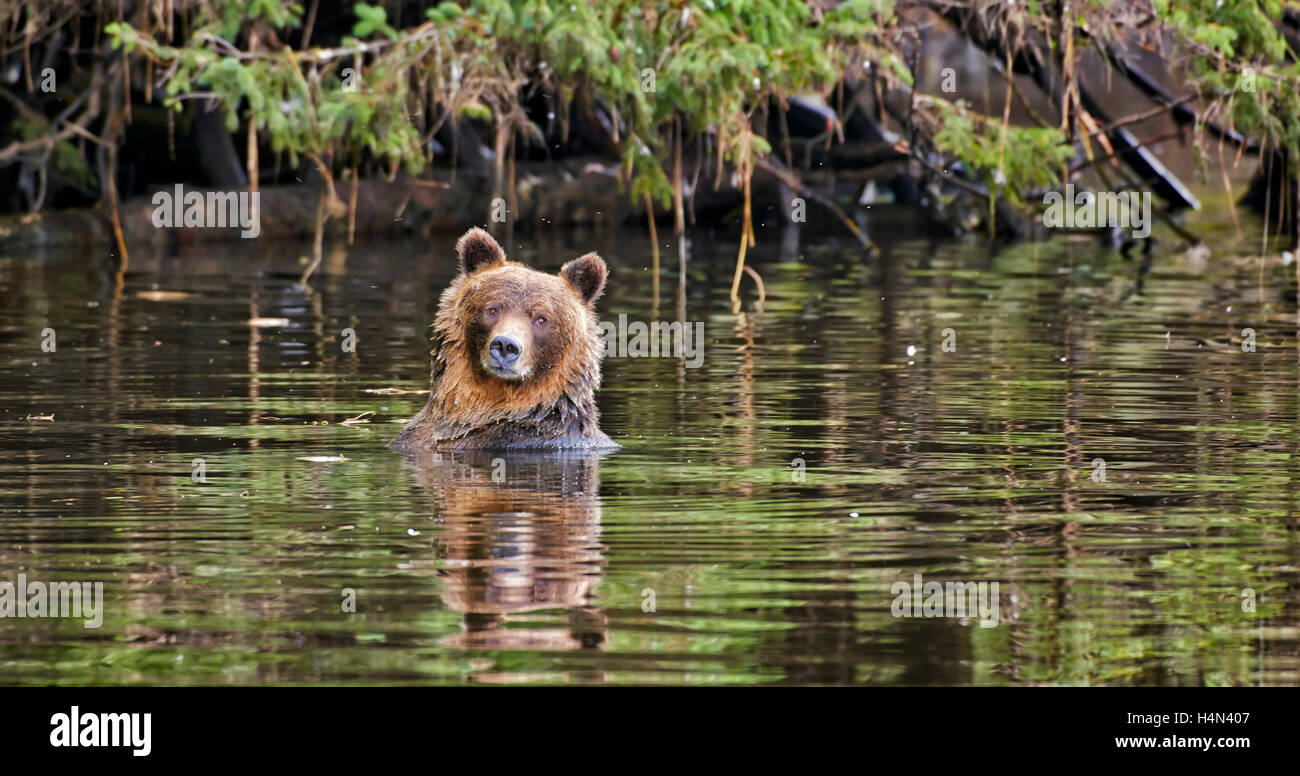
(516,325)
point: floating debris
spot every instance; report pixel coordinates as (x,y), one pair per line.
(362,418)
(392,391)
(164,296)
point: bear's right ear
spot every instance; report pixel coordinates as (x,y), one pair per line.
(476,250)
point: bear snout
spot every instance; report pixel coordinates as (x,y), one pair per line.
(505,350)
(504,357)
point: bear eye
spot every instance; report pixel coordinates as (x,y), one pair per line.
(540,320)
(492,310)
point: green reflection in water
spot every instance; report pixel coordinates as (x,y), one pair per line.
(827,448)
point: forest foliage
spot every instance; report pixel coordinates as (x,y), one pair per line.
(661,71)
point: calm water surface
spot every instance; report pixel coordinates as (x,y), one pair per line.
(1108,454)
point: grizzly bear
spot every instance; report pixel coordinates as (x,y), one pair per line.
(516,356)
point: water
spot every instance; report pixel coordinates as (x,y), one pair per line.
(1114,460)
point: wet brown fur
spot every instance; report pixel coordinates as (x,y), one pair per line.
(554,405)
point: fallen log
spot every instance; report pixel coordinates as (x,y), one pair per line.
(546,194)
(401,208)
(1031,58)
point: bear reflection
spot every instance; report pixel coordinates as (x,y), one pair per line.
(520,532)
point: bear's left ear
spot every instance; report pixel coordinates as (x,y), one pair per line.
(586,275)
(476,249)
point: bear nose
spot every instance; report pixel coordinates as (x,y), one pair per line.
(505,350)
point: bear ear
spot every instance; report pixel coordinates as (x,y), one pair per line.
(586,274)
(476,250)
